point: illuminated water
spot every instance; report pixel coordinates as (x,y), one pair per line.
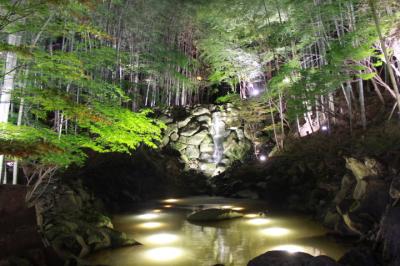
(169,240)
(218,135)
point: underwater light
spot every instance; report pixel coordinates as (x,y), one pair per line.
(164,254)
(258,221)
(150,225)
(275,231)
(171,200)
(148,216)
(162,239)
(251,215)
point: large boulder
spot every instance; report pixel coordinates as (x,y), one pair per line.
(190,129)
(284,258)
(209,215)
(361,169)
(201,111)
(363,214)
(197,139)
(192,152)
(207,146)
(359,256)
(390,236)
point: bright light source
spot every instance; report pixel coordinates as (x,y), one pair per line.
(148,216)
(258,221)
(297,248)
(150,225)
(275,231)
(263,158)
(291,248)
(164,254)
(255,92)
(324,128)
(238,209)
(156,211)
(168,206)
(226,207)
(162,239)
(171,200)
(251,215)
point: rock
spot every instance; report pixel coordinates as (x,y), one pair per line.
(207,145)
(240,133)
(368,168)
(395,188)
(247,194)
(206,157)
(184,123)
(365,213)
(197,139)
(331,219)
(208,168)
(174,136)
(358,257)
(205,119)
(389,235)
(213,215)
(166,120)
(281,258)
(180,146)
(200,111)
(346,188)
(190,130)
(192,152)
(322,261)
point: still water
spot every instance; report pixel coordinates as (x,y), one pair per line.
(170,240)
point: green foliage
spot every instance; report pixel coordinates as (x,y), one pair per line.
(229,98)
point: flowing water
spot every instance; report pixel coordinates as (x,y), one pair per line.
(170,240)
(218,135)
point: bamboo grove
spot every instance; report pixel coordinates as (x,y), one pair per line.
(78,75)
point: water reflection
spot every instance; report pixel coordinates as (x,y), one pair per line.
(275,231)
(164,254)
(259,221)
(298,248)
(150,225)
(170,240)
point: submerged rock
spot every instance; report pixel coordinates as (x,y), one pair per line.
(213,215)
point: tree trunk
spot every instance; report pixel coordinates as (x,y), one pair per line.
(8,87)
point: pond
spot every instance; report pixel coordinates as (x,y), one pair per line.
(170,240)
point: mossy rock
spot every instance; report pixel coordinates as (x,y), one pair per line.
(213,215)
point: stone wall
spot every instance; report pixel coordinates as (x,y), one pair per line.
(192,132)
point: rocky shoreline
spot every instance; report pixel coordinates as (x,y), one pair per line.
(353,192)
(75,224)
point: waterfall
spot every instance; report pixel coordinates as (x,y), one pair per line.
(218,135)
